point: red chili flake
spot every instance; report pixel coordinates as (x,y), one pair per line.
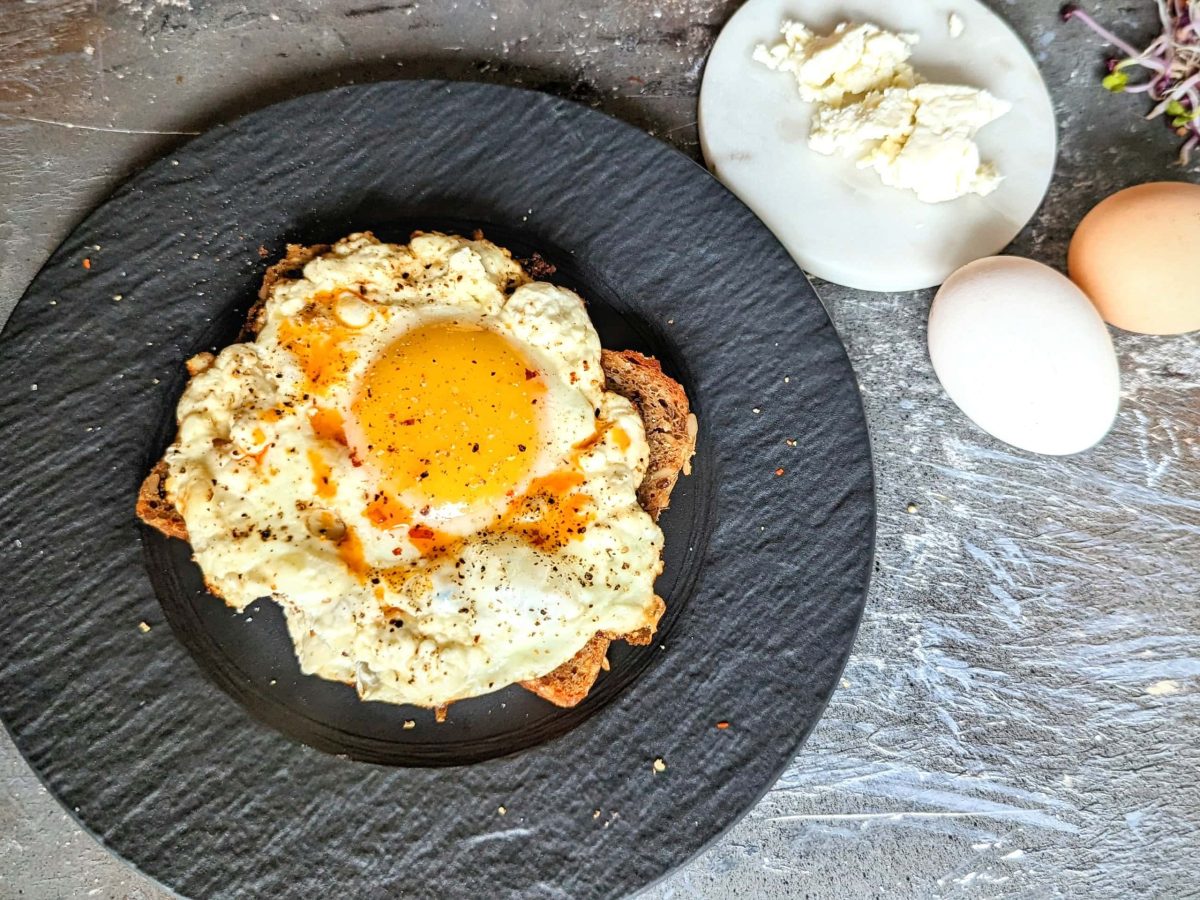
(87,262)
(397,551)
(530,374)
(722,725)
(778,472)
(421,532)
(409,422)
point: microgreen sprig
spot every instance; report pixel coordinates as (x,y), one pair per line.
(1171,64)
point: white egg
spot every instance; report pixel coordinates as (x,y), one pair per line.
(1025,355)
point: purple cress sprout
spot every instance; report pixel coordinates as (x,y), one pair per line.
(1172,64)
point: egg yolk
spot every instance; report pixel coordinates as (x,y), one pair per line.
(385,511)
(320,352)
(327,425)
(450,412)
(322,474)
(317,338)
(350,549)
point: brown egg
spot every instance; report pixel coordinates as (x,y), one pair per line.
(1135,254)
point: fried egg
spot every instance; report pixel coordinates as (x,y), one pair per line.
(417,460)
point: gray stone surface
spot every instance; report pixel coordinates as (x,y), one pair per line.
(1020,716)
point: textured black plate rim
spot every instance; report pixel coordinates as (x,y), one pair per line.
(839,661)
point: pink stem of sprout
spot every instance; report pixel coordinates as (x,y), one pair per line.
(1074,12)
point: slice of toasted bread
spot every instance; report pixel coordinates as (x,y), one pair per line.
(670,424)
(670,433)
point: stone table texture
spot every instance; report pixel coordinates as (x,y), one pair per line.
(1020,717)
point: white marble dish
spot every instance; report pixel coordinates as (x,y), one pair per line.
(841,223)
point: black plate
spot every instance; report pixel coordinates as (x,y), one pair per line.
(766,573)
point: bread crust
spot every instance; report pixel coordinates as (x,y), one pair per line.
(670,432)
(155,508)
(670,424)
(297,256)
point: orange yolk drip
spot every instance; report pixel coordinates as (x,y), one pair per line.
(385,511)
(450,413)
(432,542)
(549,515)
(321,471)
(327,425)
(350,549)
(620,438)
(315,338)
(555,484)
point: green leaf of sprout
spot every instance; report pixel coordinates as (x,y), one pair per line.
(1180,114)
(1115,81)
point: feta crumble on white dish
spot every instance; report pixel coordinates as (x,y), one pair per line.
(873,108)
(851,61)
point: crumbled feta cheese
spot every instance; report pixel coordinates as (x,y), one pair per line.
(852,61)
(919,139)
(873,108)
(859,129)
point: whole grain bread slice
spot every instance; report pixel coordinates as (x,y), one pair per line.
(670,432)
(670,424)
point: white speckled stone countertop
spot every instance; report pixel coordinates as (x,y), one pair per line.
(1020,717)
